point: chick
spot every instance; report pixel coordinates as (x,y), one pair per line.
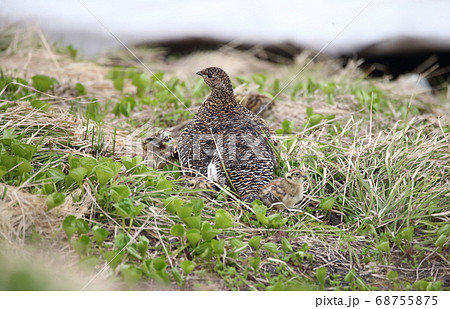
(260,104)
(287,190)
(162,149)
(206,187)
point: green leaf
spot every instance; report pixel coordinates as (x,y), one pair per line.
(114,73)
(48,188)
(81,245)
(119,83)
(72,51)
(276,220)
(237,244)
(362,286)
(309,111)
(208,232)
(444,230)
(23,150)
(74,162)
(259,79)
(254,262)
(260,212)
(321,275)
(3,171)
(286,245)
(43,82)
(176,276)
(103,173)
(142,84)
(383,246)
(125,208)
(100,234)
(142,246)
(125,106)
(120,191)
(184,211)
(255,242)
(330,100)
(407,233)
(349,277)
(88,263)
(218,245)
(78,174)
(193,221)
(41,105)
(55,175)
(442,239)
(243,80)
(329,88)
(8,136)
(312,86)
(163,184)
(55,199)
(69,226)
(80,89)
(24,166)
(204,250)
(177,230)
(327,203)
(421,285)
(121,240)
(193,236)
(271,247)
(130,72)
(132,250)
(114,258)
(329,117)
(131,274)
(392,275)
(88,163)
(197,206)
(82,226)
(160,264)
(315,119)
(187,266)
(130,163)
(172,204)
(8,161)
(288,126)
(223,219)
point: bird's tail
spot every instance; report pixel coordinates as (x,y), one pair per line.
(248,198)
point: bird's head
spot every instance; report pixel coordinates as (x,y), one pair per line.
(295,176)
(216,79)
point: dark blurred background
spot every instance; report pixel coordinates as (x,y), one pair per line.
(392,37)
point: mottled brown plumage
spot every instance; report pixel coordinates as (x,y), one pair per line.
(287,190)
(200,183)
(159,149)
(260,104)
(224,134)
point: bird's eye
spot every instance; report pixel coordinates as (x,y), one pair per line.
(296,174)
(210,75)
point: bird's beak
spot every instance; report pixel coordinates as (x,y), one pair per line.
(199,73)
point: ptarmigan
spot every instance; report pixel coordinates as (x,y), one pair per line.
(226,142)
(287,190)
(207,188)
